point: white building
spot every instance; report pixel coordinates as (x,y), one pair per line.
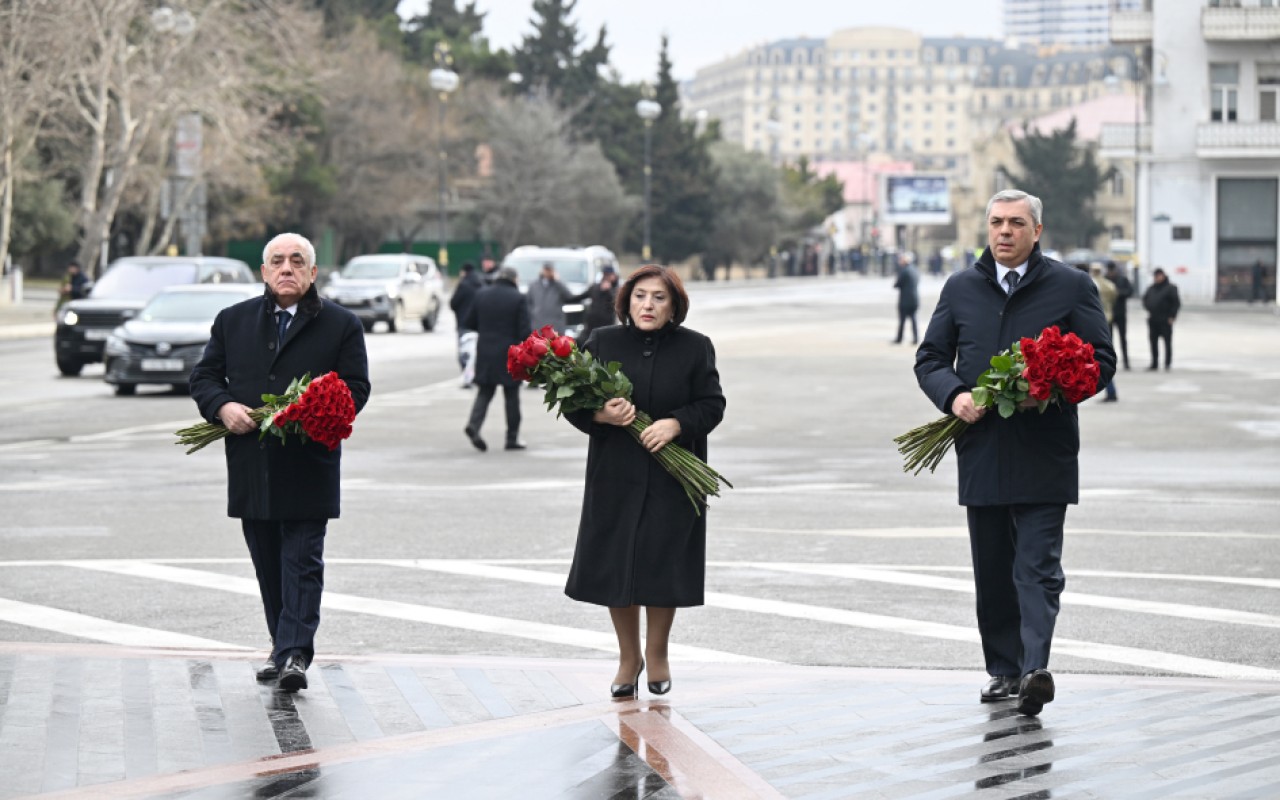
(1066,23)
(1209,163)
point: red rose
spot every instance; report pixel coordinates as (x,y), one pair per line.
(562,346)
(537,348)
(547,332)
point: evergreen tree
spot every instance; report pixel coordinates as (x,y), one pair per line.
(1066,177)
(549,60)
(682,207)
(808,199)
(462,28)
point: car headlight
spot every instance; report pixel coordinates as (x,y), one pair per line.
(70,317)
(116,346)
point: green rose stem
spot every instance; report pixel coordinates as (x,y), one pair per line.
(696,477)
(925,445)
(203,434)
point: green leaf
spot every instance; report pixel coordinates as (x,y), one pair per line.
(1006,407)
(1002,362)
(564,391)
(982,396)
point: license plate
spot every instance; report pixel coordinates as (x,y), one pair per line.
(97,334)
(161,365)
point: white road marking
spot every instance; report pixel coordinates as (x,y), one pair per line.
(1177,610)
(963,533)
(71,623)
(1132,656)
(449,618)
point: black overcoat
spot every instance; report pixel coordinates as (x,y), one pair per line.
(267,480)
(639,540)
(1030,457)
(500,317)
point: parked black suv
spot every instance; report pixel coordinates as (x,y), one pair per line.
(126,286)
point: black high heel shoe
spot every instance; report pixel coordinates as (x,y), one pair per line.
(621,691)
(660,687)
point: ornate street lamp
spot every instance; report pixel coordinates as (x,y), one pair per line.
(444,80)
(649,110)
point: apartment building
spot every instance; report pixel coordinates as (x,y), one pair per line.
(1209,162)
(889,94)
(1062,23)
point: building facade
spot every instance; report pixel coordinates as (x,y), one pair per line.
(1209,163)
(1062,23)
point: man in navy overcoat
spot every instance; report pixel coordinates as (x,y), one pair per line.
(283,494)
(1017,475)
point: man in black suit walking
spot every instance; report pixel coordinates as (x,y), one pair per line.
(500,315)
(1017,475)
(283,496)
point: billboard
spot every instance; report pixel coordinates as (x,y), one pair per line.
(914,199)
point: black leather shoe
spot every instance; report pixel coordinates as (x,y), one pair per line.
(268,671)
(999,688)
(1037,689)
(474,436)
(659,687)
(623,691)
(516,446)
(294,675)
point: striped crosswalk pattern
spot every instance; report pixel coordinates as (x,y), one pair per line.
(546,577)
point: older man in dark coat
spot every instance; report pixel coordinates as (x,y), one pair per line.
(500,315)
(1017,475)
(283,495)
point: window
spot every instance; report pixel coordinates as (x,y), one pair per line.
(1117,185)
(1268,92)
(1181,233)
(1224,92)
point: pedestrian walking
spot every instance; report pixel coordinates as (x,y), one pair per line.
(500,318)
(1107,295)
(1016,475)
(469,283)
(600,310)
(907,284)
(1162,304)
(641,543)
(1120,311)
(1258,275)
(547,296)
(283,496)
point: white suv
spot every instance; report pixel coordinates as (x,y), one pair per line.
(578,268)
(396,288)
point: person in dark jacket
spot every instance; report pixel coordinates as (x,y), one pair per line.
(908,300)
(602,296)
(283,495)
(500,317)
(1162,305)
(1017,475)
(640,541)
(463,294)
(1120,311)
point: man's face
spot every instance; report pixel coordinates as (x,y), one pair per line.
(548,271)
(287,271)
(1011,232)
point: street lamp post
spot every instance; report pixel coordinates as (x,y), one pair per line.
(648,110)
(444,80)
(186,182)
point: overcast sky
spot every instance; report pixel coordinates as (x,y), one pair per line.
(702,31)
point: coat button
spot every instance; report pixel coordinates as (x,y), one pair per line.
(271,345)
(271,377)
(648,353)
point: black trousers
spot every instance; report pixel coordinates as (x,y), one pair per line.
(288,557)
(903,316)
(1120,330)
(1157,330)
(1017,569)
(511,397)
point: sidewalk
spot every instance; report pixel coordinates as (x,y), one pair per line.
(94,721)
(30,319)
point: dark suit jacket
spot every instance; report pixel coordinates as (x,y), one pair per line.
(500,317)
(267,479)
(1030,457)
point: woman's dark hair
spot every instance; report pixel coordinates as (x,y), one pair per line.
(675,287)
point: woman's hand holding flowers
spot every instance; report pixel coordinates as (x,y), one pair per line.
(659,434)
(618,411)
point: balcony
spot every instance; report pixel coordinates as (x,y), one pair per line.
(1246,24)
(1132,27)
(1117,139)
(1238,140)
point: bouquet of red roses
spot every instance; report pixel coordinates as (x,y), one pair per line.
(1051,368)
(576,381)
(319,410)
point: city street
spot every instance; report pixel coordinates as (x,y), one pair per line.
(825,553)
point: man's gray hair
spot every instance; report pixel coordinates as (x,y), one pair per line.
(1014,195)
(307,247)
(510,274)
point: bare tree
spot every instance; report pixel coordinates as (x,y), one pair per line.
(547,188)
(31,41)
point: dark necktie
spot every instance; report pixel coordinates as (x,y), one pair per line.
(282,324)
(1011,277)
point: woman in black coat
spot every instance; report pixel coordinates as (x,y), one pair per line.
(640,541)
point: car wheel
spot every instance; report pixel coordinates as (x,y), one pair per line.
(126,389)
(368,325)
(429,321)
(69,367)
